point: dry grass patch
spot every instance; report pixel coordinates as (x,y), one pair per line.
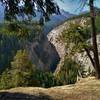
(86,89)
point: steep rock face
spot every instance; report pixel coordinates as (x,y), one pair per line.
(53,37)
(43,54)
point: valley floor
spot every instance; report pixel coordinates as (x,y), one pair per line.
(86,89)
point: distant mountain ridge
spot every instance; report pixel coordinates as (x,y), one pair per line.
(87,14)
(56,20)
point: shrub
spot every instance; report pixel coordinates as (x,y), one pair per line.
(46,79)
(68,73)
(6,80)
(23,73)
(22,69)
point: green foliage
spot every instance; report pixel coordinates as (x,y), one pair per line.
(21,29)
(8,48)
(22,69)
(6,80)
(21,61)
(23,73)
(15,36)
(69,72)
(46,79)
(75,37)
(98,24)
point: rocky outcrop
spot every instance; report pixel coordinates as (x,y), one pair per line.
(53,37)
(81,58)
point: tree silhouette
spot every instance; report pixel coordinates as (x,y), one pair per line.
(28,7)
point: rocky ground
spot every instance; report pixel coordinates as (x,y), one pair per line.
(86,89)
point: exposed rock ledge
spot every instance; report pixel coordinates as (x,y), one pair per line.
(82,58)
(86,89)
(53,37)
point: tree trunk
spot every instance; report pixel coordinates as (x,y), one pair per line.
(90,57)
(94,39)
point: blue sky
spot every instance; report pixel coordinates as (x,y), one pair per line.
(71,6)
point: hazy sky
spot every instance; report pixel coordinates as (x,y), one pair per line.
(71,6)
(68,5)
